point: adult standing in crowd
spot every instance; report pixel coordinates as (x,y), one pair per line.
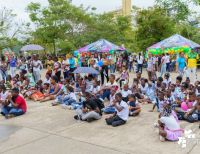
(131,60)
(140,60)
(181,64)
(113,63)
(192,58)
(65,67)
(150,66)
(163,65)
(37,66)
(3,69)
(72,65)
(104,69)
(167,59)
(13,65)
(57,68)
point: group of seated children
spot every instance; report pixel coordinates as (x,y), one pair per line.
(174,101)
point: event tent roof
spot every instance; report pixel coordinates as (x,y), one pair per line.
(32,47)
(101,45)
(175,41)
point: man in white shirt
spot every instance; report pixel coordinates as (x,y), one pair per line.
(140,60)
(121,116)
(167,58)
(37,66)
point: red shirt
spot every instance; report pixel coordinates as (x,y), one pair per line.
(21,102)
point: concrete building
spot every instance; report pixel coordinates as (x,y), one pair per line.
(125,9)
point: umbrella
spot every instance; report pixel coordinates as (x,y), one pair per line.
(32,47)
(101,45)
(175,41)
(88,70)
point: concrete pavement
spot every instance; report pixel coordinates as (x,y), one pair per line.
(48,130)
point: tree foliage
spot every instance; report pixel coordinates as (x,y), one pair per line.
(153,25)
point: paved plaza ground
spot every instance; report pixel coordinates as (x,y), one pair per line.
(48,130)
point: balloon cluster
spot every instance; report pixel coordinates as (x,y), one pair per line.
(170,51)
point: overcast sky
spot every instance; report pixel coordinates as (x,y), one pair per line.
(18,6)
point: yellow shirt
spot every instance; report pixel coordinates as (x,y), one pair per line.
(192,59)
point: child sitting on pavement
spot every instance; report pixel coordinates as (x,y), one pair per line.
(134,108)
(15,105)
(125,92)
(192,115)
(121,116)
(110,109)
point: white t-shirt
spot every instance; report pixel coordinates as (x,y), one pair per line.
(125,93)
(144,89)
(3,96)
(164,60)
(167,82)
(96,89)
(109,84)
(124,113)
(140,59)
(197,92)
(150,64)
(73,96)
(130,58)
(47,81)
(36,68)
(167,59)
(170,122)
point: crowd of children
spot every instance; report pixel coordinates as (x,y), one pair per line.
(84,94)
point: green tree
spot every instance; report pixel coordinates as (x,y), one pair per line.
(153,25)
(177,9)
(59,21)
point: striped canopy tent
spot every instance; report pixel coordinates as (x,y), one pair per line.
(101,45)
(175,41)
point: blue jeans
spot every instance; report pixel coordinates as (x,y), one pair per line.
(11,110)
(109,110)
(106,94)
(130,66)
(112,68)
(77,105)
(139,68)
(163,70)
(68,101)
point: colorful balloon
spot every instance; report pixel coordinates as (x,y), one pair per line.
(75,53)
(100,63)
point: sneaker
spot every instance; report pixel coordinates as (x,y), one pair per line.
(162,139)
(76,117)
(54,103)
(69,107)
(9,116)
(156,125)
(64,106)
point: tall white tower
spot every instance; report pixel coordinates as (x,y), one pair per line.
(126,7)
